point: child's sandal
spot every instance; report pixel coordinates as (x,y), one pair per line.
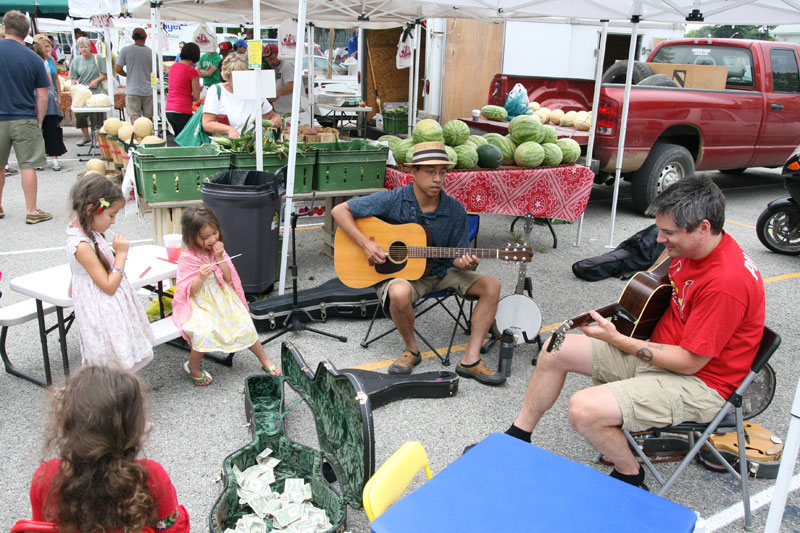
(202,381)
(272,370)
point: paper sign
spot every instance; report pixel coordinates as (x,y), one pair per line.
(244,83)
(254,54)
(287,39)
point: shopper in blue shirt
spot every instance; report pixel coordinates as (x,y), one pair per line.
(352,44)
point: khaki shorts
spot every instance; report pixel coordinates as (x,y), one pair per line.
(25,136)
(650,396)
(84,120)
(139,106)
(457,279)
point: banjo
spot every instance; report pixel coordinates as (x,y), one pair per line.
(518,312)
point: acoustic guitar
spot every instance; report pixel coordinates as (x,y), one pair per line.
(406,246)
(641,304)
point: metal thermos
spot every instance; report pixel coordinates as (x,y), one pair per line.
(506,352)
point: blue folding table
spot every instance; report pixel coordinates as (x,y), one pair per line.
(504,484)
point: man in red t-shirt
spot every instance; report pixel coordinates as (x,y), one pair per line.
(699,352)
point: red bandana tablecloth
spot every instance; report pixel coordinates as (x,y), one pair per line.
(556,192)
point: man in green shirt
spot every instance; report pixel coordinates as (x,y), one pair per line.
(208,68)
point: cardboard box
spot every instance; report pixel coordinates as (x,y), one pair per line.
(693,76)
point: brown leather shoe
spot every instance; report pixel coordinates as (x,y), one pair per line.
(404,363)
(2,213)
(481,373)
(39,216)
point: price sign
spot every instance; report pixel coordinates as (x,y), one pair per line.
(254,54)
(101,21)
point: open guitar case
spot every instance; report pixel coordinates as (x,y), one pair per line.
(342,404)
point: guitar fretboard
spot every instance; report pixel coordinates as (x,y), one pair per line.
(439,253)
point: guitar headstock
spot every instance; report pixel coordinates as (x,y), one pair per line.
(516,253)
(557,339)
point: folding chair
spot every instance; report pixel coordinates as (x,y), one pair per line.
(389,482)
(729,418)
(435,299)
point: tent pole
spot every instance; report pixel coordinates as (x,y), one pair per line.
(162,86)
(298,84)
(157,126)
(311,70)
(598,74)
(109,70)
(416,68)
(623,128)
(411,96)
(259,133)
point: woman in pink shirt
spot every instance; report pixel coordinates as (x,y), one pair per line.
(184,87)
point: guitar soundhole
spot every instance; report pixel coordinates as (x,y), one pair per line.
(398,252)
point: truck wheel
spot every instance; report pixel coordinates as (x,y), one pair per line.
(658,80)
(616,72)
(666,164)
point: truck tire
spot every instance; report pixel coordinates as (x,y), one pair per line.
(658,80)
(666,164)
(616,72)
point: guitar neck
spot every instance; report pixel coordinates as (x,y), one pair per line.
(434,252)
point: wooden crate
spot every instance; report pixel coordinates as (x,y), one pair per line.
(167,218)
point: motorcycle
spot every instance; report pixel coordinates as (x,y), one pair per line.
(778,226)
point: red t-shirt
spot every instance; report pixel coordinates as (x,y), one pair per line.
(717,311)
(172,517)
(179,97)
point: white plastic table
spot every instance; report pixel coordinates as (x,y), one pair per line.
(52,286)
(106,111)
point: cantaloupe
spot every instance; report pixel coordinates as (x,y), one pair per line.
(152,139)
(96,165)
(555,116)
(143,127)
(112,125)
(125,133)
(568,119)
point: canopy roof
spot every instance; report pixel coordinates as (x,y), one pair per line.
(54,9)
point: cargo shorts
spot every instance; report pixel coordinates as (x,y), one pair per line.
(651,396)
(25,136)
(139,106)
(457,279)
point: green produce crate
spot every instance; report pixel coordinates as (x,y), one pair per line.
(349,165)
(175,173)
(303,168)
(395,122)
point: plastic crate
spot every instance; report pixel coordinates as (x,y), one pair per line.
(175,173)
(348,165)
(395,122)
(303,168)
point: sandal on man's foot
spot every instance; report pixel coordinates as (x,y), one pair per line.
(272,370)
(202,381)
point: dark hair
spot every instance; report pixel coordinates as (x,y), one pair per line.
(191,52)
(690,201)
(16,24)
(194,219)
(98,426)
(85,196)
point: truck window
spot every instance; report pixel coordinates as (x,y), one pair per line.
(738,60)
(785,77)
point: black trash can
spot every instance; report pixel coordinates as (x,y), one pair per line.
(247,203)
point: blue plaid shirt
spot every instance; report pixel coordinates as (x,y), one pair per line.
(447,224)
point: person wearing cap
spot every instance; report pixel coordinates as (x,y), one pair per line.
(208,67)
(284,79)
(240,46)
(135,62)
(424,202)
(225,49)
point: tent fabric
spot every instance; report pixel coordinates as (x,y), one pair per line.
(54,9)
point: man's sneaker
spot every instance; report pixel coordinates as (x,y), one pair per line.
(56,165)
(2,213)
(39,216)
(637,480)
(83,142)
(481,373)
(38,169)
(10,170)
(404,363)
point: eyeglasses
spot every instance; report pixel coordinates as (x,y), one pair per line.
(431,172)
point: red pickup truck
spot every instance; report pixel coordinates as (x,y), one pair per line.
(673,131)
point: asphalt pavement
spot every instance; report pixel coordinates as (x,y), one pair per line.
(196,428)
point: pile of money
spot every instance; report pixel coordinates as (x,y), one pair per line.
(290,511)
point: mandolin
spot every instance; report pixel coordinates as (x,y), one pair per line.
(641,304)
(408,252)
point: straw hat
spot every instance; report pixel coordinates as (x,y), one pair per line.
(430,153)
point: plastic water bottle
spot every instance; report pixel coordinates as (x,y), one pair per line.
(506,352)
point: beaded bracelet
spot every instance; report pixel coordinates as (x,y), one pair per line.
(115,269)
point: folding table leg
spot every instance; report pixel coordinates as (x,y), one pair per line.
(62,339)
(10,368)
(43,340)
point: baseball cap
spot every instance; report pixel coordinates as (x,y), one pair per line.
(430,153)
(270,50)
(224,45)
(239,43)
(140,32)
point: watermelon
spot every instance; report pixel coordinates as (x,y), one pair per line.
(410,155)
(494,112)
(391,139)
(489,156)
(477,140)
(451,155)
(455,132)
(550,135)
(426,130)
(467,156)
(525,128)
(400,150)
(552,155)
(506,146)
(529,154)
(509,139)
(570,149)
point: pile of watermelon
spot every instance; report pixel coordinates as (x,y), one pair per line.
(529,143)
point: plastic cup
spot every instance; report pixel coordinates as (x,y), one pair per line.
(476,114)
(173,244)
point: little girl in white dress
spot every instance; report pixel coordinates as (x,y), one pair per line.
(113,326)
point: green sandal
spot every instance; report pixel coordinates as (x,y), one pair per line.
(202,381)
(272,370)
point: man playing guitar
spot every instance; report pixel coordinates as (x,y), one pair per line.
(700,350)
(424,202)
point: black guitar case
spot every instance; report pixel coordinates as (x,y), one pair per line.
(331,299)
(385,388)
